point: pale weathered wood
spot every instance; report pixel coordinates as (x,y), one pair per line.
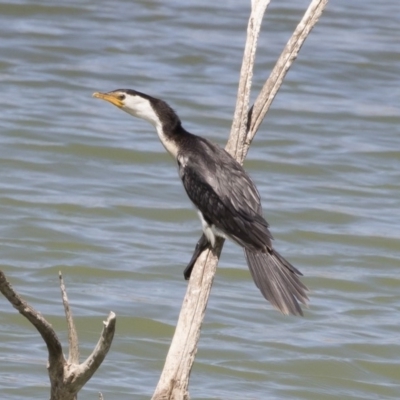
(239,124)
(81,373)
(73,354)
(286,59)
(66,377)
(174,380)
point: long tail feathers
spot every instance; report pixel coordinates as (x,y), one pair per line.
(277,280)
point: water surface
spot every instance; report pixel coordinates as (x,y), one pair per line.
(89,190)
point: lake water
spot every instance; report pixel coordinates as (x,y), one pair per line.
(89,190)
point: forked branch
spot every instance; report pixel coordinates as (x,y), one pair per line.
(174,381)
(67,377)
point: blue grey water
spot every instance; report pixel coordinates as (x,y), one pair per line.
(89,190)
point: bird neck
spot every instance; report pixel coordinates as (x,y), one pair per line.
(172,136)
(164,119)
(168,126)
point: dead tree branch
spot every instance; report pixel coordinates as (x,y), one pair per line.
(174,380)
(239,124)
(73,354)
(264,100)
(67,377)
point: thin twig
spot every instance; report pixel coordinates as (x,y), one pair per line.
(83,372)
(73,357)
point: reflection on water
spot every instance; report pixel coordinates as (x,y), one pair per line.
(90,191)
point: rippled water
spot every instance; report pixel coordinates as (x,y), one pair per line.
(88,190)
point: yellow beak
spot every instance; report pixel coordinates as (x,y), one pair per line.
(111,97)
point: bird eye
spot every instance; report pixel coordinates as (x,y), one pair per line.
(121,97)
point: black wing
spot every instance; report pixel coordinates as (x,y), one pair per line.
(220,188)
(223,192)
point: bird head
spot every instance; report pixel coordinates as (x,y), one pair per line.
(138,104)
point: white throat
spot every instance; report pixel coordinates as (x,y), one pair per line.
(142,108)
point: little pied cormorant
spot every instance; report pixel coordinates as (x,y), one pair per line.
(227,201)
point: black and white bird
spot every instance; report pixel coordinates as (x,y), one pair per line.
(227,200)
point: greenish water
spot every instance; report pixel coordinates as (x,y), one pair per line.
(88,190)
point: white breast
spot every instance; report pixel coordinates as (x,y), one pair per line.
(210,231)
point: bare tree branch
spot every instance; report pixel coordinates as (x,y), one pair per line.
(83,372)
(174,380)
(66,377)
(286,59)
(239,124)
(73,356)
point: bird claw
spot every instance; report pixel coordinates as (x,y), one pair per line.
(201,245)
